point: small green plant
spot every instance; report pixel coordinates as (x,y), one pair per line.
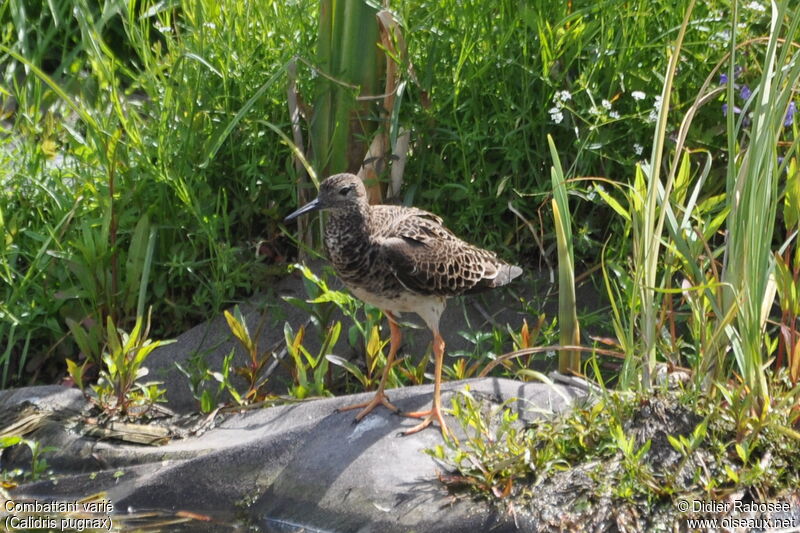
(413,373)
(253,371)
(375,360)
(490,458)
(39,465)
(199,375)
(117,390)
(688,445)
(623,446)
(209,386)
(569,360)
(322,300)
(525,339)
(637,473)
(310,372)
(485,347)
(363,335)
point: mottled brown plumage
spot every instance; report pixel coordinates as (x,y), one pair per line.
(401,259)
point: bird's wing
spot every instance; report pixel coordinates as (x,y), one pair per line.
(387,217)
(428,259)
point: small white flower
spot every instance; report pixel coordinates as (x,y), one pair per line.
(724,35)
(638,148)
(653,116)
(210,25)
(556,115)
(613,114)
(560,97)
(594,111)
(638,95)
(755,6)
(606,104)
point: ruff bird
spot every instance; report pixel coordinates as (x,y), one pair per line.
(401,259)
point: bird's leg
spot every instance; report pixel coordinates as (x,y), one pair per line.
(380,397)
(435,413)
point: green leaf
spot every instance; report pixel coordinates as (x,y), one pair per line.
(133,339)
(233,392)
(239,329)
(339,298)
(331,337)
(82,339)
(791,199)
(137,254)
(206,402)
(76,372)
(300,392)
(743,455)
(111,336)
(347,365)
(7,442)
(288,336)
(374,344)
(613,204)
(644,449)
(699,433)
(682,179)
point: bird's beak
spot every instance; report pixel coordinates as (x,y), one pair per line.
(313,205)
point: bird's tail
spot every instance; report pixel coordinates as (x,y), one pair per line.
(505,273)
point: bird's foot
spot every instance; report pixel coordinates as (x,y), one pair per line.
(380,398)
(428,417)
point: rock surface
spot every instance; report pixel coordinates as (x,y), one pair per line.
(293,467)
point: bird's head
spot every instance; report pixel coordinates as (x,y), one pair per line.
(340,191)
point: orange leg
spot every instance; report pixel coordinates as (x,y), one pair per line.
(380,397)
(435,413)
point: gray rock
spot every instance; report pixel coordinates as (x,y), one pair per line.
(283,468)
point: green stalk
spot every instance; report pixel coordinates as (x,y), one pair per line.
(648,226)
(752,198)
(568,360)
(348,57)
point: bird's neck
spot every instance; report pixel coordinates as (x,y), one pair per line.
(346,228)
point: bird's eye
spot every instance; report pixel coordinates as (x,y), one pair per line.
(344,191)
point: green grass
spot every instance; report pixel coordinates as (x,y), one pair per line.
(118,113)
(697,289)
(641,453)
(102,138)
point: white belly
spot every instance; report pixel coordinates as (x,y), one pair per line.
(429,308)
